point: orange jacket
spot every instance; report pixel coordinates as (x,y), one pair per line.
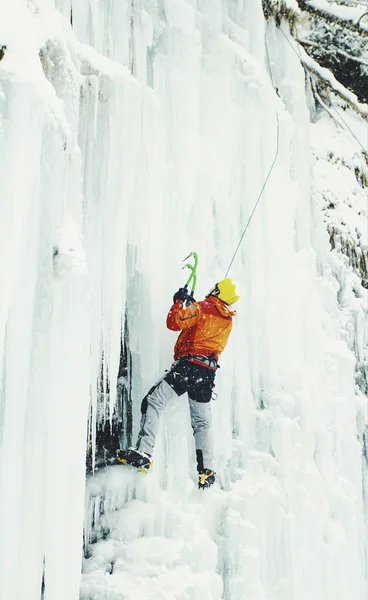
(205,325)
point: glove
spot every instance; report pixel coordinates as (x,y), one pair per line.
(181,294)
(189,299)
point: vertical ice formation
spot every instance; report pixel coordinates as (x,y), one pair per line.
(130,134)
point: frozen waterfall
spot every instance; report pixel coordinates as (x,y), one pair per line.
(132,133)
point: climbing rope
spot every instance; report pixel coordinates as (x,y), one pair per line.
(351,131)
(268,174)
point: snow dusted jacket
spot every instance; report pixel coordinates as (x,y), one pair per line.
(205,326)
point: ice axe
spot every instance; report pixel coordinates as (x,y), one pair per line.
(192,279)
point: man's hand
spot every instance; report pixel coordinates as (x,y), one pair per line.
(189,299)
(181,294)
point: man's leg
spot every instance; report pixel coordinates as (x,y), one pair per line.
(200,415)
(152,407)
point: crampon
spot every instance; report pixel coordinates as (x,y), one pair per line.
(206,479)
(134,458)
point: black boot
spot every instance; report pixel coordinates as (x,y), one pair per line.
(134,458)
(206,479)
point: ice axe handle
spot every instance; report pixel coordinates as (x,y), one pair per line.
(190,299)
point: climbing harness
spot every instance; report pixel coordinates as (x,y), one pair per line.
(268,174)
(192,279)
(209,362)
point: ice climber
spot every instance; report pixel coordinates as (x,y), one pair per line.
(205,328)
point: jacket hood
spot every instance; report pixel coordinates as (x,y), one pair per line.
(223,309)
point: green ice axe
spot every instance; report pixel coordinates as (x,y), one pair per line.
(192,279)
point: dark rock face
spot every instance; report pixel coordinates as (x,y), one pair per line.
(334,42)
(343,51)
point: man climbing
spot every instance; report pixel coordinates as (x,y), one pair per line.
(205,328)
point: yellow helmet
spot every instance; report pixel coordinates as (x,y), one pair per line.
(225,290)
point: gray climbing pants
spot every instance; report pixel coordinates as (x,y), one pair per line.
(152,407)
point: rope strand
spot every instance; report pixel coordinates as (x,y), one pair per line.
(268,174)
(259,197)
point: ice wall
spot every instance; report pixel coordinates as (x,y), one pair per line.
(139,134)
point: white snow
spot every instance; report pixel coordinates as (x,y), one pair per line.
(143,133)
(348,11)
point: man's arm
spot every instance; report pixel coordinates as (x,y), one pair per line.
(182,318)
